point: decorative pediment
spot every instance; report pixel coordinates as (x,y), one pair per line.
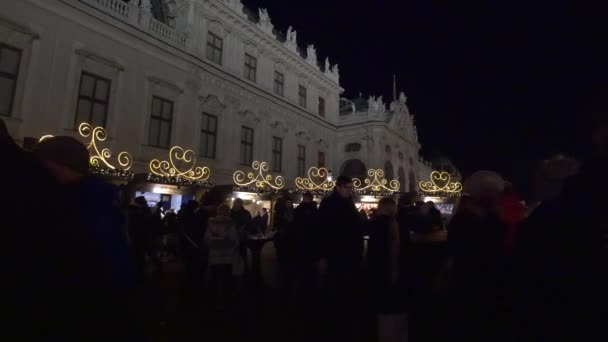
(322,143)
(279,125)
(218,28)
(212,104)
(303,134)
(87,54)
(249,116)
(166,84)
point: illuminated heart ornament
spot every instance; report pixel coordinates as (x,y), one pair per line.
(182,163)
(440,180)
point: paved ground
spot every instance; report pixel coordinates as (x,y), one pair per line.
(257,315)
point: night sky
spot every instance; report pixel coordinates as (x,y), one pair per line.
(493,85)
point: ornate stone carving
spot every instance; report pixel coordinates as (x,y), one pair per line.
(86,54)
(212,104)
(303,134)
(145,6)
(335,73)
(292,40)
(376,104)
(165,84)
(265,24)
(327,66)
(249,115)
(402,98)
(279,125)
(311,55)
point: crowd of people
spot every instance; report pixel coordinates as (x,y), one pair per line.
(507,273)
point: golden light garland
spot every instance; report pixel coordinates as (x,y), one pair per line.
(376,183)
(259,179)
(178,157)
(100,158)
(310,184)
(440,182)
(44,137)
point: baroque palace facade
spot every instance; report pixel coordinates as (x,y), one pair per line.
(206,75)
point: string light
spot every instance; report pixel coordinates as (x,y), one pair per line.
(376,183)
(309,183)
(259,179)
(440,182)
(169,168)
(100,158)
(179,181)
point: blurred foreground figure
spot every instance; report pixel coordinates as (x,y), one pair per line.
(561,252)
(68,269)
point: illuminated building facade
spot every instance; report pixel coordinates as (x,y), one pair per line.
(209,76)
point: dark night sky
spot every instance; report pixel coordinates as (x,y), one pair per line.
(493,84)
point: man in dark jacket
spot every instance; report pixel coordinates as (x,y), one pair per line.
(242,219)
(340,252)
(306,220)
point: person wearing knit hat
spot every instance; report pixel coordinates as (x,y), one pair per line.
(65,157)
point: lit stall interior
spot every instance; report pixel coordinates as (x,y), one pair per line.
(171,197)
(367,203)
(254,203)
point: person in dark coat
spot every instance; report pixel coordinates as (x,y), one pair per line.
(191,241)
(476,249)
(340,251)
(142,234)
(77,274)
(383,258)
(242,219)
(306,220)
(561,251)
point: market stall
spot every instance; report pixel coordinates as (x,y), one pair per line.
(371,190)
(172,182)
(442,191)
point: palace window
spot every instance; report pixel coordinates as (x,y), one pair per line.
(215,45)
(279,83)
(301,160)
(302,96)
(10,59)
(160,123)
(277,154)
(93,100)
(246,145)
(208,136)
(321,106)
(250,67)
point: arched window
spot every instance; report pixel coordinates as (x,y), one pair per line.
(352,147)
(354,168)
(400,155)
(389,173)
(401,175)
(388,149)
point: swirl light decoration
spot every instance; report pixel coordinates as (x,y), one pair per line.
(440,182)
(44,137)
(258,178)
(376,182)
(100,158)
(309,182)
(178,158)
